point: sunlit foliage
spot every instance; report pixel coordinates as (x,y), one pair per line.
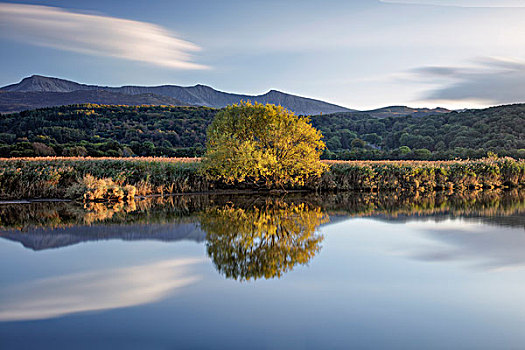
(264,145)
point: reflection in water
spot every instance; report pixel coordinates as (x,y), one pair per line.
(250,237)
(487,248)
(95,290)
(52,215)
(263,241)
(483,204)
(496,204)
(247,238)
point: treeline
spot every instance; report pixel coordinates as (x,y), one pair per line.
(468,134)
(105,131)
(115,131)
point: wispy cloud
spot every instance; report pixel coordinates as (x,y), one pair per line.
(96,34)
(461,3)
(488,80)
(96,290)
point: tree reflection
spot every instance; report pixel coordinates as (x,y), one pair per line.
(262,241)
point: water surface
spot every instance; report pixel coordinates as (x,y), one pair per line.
(431,271)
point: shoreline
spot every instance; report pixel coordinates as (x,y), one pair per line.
(94,179)
(267,193)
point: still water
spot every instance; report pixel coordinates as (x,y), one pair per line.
(363,271)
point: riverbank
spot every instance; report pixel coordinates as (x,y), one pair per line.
(123,178)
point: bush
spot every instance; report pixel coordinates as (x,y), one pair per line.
(262,145)
(93,189)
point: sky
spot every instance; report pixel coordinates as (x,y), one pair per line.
(360,54)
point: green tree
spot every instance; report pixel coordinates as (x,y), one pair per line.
(334,143)
(404,150)
(262,145)
(75,151)
(358,143)
(422,153)
(372,138)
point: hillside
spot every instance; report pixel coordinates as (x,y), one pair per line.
(198,95)
(467,134)
(18,101)
(97,130)
(396,111)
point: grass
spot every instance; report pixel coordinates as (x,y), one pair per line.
(117,177)
(95,179)
(424,175)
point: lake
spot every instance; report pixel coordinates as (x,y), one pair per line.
(301,271)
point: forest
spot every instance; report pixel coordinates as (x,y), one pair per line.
(115,131)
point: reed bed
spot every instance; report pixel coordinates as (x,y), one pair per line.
(424,175)
(95,179)
(127,159)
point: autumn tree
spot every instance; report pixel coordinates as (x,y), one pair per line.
(263,145)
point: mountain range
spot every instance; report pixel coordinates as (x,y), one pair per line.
(35,91)
(16,101)
(39,91)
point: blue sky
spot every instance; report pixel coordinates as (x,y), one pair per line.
(359,54)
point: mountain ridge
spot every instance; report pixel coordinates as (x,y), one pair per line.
(14,101)
(38,91)
(198,95)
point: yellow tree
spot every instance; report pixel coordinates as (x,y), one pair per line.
(263,145)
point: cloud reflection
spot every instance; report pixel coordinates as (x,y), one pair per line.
(485,247)
(97,290)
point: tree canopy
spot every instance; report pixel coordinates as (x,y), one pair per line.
(263,145)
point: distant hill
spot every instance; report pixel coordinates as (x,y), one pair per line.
(394,111)
(467,134)
(18,101)
(39,91)
(102,130)
(198,95)
(38,83)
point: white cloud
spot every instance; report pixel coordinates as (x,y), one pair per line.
(95,34)
(488,80)
(96,290)
(461,3)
